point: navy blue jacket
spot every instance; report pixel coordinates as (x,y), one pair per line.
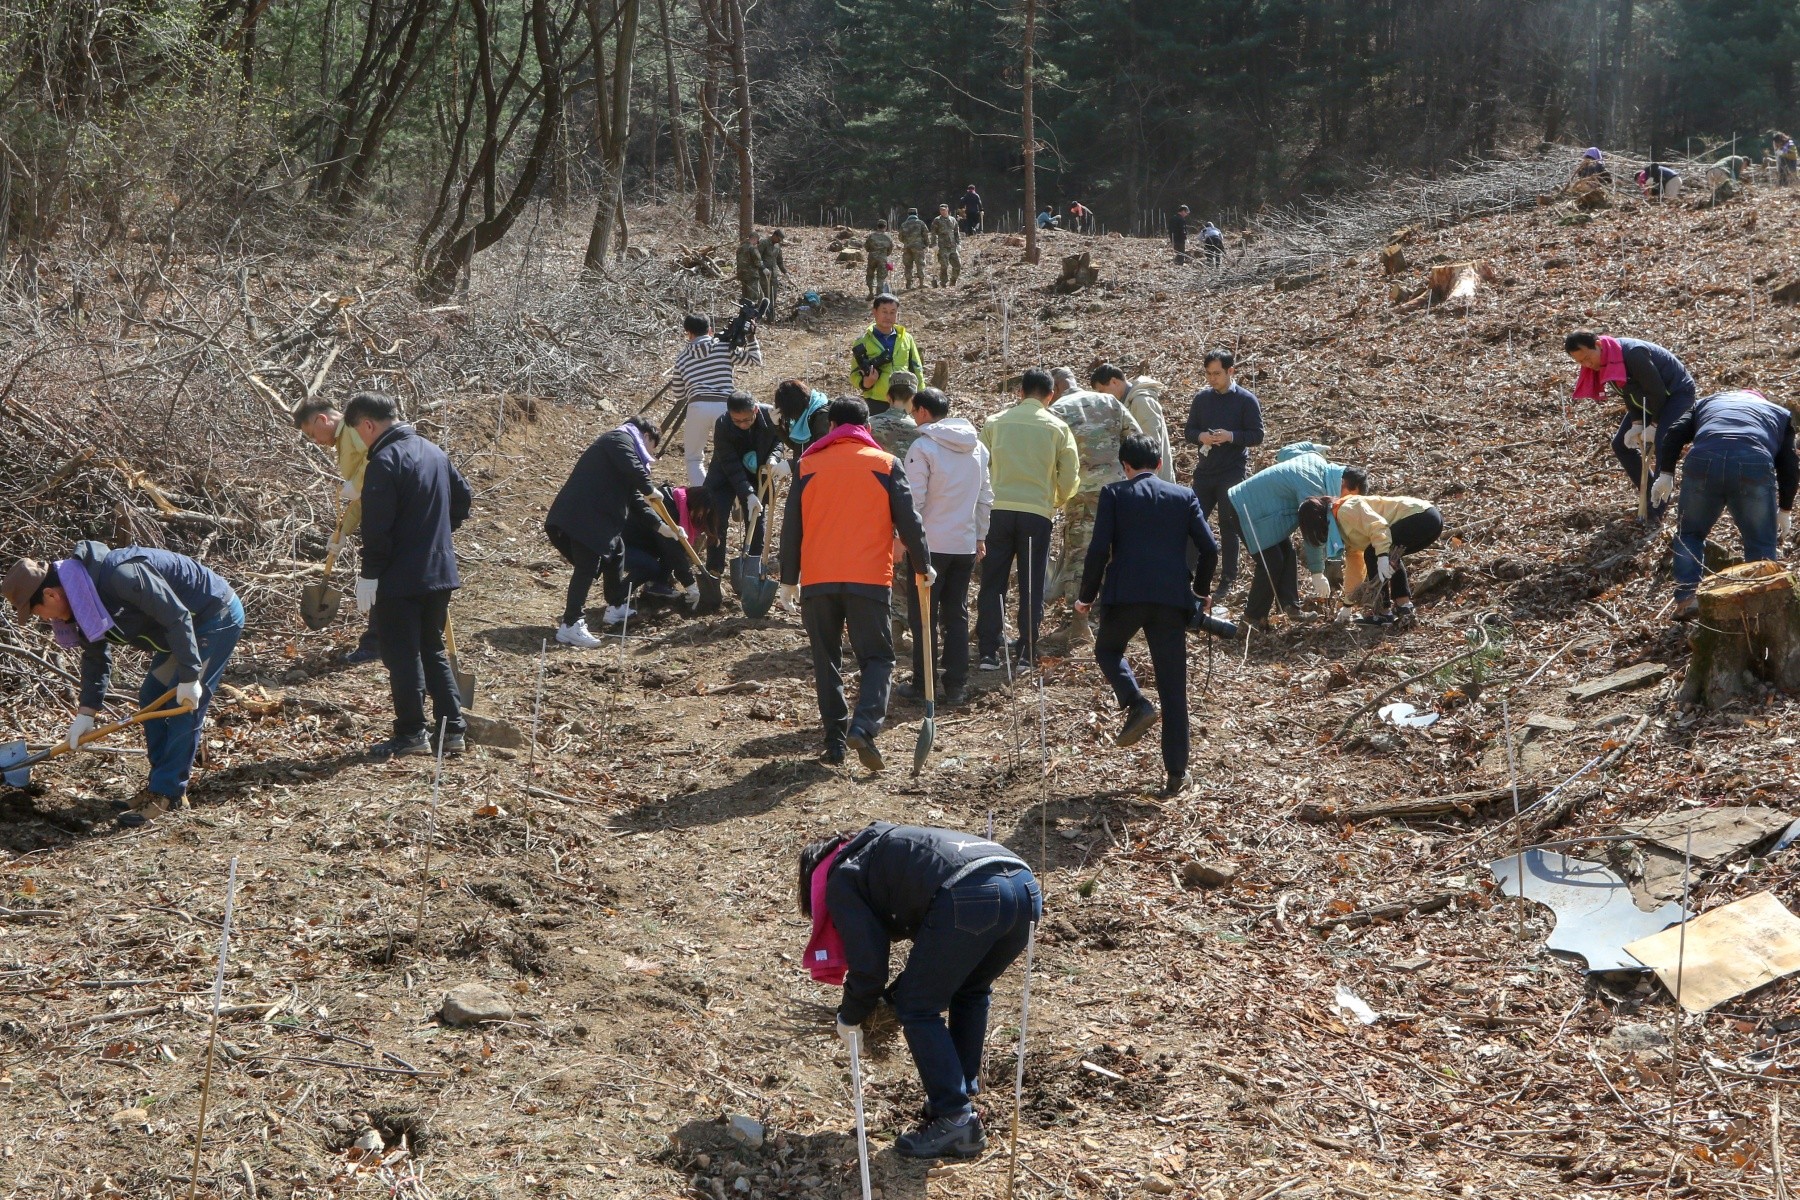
(1734,421)
(1654,377)
(1236,410)
(728,470)
(412,498)
(1141,533)
(155,598)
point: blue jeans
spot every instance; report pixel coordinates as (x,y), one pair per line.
(172,742)
(1739,476)
(972,933)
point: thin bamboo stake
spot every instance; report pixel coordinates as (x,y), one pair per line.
(430,835)
(1687,872)
(1012,1159)
(212,1036)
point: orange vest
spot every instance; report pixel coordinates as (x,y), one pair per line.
(849,528)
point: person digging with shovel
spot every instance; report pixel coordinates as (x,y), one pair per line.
(849,501)
(745,440)
(967,905)
(320,423)
(1656,389)
(185,615)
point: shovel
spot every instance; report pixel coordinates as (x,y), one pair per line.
(319,601)
(16,760)
(712,592)
(465,680)
(756,591)
(927,728)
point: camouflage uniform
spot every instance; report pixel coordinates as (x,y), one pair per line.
(896,432)
(877,246)
(915,235)
(948,239)
(768,249)
(750,271)
(1099,423)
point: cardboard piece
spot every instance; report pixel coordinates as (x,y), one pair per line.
(1720,835)
(1728,951)
(1595,913)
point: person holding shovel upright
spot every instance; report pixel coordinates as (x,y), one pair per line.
(848,503)
(1656,388)
(319,423)
(968,907)
(413,498)
(183,614)
(746,439)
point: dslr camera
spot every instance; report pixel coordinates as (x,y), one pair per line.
(1204,622)
(749,313)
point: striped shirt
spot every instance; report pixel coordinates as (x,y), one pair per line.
(703,368)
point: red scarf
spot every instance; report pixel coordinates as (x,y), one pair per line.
(1591,384)
(825,957)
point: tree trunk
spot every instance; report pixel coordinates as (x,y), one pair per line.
(1748,632)
(612,122)
(705,174)
(1030,139)
(677,135)
(746,161)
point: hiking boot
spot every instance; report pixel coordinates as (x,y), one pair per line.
(144,796)
(1687,608)
(957,696)
(867,752)
(146,806)
(616,613)
(361,655)
(454,744)
(989,662)
(1143,716)
(401,747)
(1176,785)
(577,635)
(942,1137)
(1386,618)
(1299,616)
(832,756)
(909,691)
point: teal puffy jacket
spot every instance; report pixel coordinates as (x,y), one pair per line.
(1268,503)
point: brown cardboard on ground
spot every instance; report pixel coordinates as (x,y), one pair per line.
(1729,951)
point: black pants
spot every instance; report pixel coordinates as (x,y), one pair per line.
(871,640)
(645,533)
(1212,488)
(1179,241)
(1010,535)
(1273,580)
(727,505)
(1165,632)
(971,225)
(412,649)
(949,619)
(1409,534)
(585,564)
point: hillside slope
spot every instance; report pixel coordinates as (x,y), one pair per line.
(629,884)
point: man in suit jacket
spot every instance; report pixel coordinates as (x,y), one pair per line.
(1141,533)
(412,498)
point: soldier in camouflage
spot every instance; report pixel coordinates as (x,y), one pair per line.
(1099,423)
(915,235)
(876,248)
(894,430)
(947,237)
(768,249)
(750,270)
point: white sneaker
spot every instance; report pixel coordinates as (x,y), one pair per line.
(617,613)
(577,635)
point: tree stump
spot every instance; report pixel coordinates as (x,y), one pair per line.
(1748,632)
(1078,272)
(1393,260)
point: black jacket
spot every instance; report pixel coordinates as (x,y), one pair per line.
(1236,411)
(730,444)
(412,499)
(880,888)
(604,491)
(155,598)
(1142,528)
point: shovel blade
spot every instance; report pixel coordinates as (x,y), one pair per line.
(11,755)
(465,685)
(744,573)
(759,597)
(712,593)
(319,605)
(927,735)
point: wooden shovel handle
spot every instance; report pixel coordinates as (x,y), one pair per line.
(149,712)
(449,638)
(662,510)
(332,556)
(925,634)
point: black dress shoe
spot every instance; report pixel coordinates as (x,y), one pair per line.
(1143,716)
(833,756)
(956,697)
(908,691)
(1176,785)
(866,751)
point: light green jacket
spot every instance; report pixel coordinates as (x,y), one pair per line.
(1033,459)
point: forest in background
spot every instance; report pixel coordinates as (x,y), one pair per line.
(453,115)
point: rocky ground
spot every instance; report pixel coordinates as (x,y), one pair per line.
(623,891)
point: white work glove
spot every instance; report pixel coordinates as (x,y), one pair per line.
(755,510)
(1343,615)
(692,596)
(789,597)
(365,594)
(80,727)
(1634,438)
(852,1034)
(1661,490)
(930,576)
(668,531)
(1784,523)
(779,468)
(1384,567)
(349,492)
(188,693)
(333,544)
(1321,586)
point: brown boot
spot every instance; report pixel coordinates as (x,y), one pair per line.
(143,797)
(155,806)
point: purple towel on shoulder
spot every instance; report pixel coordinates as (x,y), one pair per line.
(92,622)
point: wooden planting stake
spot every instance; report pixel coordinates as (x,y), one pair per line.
(212,1035)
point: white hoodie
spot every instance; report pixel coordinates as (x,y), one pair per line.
(947,470)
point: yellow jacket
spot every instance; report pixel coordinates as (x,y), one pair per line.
(352,458)
(1364,522)
(1034,463)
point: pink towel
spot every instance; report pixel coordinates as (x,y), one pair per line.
(1591,384)
(825,948)
(843,433)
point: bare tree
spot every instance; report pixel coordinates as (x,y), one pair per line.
(612,117)
(725,35)
(1030,138)
(684,172)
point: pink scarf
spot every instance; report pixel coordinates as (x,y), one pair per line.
(681,514)
(843,433)
(1591,384)
(825,957)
